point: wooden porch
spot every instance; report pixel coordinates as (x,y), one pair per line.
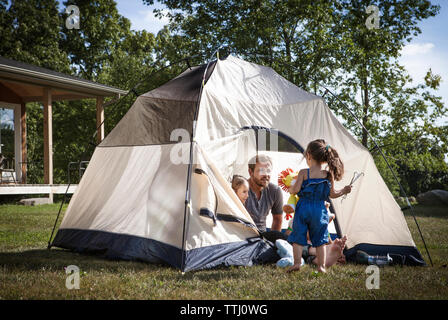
(21,83)
(27,189)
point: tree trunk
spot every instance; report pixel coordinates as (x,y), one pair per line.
(288,54)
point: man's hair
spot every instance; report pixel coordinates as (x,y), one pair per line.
(260,158)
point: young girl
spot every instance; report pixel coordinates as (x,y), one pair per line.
(241,187)
(314,186)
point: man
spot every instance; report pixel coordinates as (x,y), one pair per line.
(264,197)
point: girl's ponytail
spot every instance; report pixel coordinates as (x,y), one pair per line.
(323,152)
(335,165)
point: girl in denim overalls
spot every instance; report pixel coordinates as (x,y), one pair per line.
(314,186)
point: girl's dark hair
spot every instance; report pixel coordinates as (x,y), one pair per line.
(237,181)
(323,152)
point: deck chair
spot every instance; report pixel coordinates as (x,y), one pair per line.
(3,160)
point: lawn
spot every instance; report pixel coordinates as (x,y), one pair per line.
(30,271)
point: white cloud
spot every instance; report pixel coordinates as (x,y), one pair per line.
(417,49)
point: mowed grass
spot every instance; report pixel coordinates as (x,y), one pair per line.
(29,271)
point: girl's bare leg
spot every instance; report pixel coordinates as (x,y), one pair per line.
(321,258)
(297,253)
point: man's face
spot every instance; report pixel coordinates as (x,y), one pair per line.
(261,174)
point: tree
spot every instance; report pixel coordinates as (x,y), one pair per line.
(371,70)
(129,69)
(101,30)
(310,43)
(399,115)
(275,33)
(414,141)
(106,50)
(30,33)
(6,137)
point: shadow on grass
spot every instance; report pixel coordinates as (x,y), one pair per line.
(58,259)
(421,211)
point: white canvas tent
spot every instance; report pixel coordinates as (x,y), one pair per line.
(146,196)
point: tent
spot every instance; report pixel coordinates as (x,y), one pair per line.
(152,193)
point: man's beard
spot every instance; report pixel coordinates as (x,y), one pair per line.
(261,182)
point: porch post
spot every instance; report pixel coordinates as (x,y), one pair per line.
(18,142)
(23,127)
(48,140)
(99,119)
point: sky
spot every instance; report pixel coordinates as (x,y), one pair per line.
(141,15)
(428,50)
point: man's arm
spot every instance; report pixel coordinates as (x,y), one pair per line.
(277,211)
(277,222)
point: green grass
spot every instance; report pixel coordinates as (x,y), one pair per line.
(30,271)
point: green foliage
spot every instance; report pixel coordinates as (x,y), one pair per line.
(91,48)
(419,162)
(7,140)
(35,143)
(398,114)
(272,33)
(30,32)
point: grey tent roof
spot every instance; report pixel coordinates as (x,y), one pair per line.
(155,114)
(185,87)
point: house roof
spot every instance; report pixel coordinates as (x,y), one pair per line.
(22,82)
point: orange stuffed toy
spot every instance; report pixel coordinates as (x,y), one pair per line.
(286,179)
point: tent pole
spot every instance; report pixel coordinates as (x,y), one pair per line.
(190,162)
(57,217)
